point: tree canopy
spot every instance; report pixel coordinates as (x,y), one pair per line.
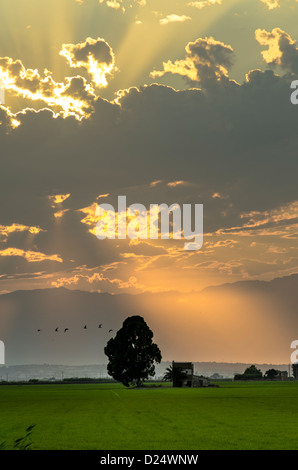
(252,370)
(132,353)
(271,373)
(251,373)
(173,374)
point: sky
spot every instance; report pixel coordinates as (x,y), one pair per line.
(176,102)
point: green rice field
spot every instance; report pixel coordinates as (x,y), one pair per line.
(236,415)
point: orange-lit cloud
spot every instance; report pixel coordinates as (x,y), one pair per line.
(278,221)
(221,244)
(60,214)
(6,230)
(58,199)
(98,281)
(93,55)
(155,183)
(173,184)
(90,219)
(30,256)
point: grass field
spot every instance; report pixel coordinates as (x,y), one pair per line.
(110,417)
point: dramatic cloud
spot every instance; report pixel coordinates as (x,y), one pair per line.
(281,221)
(219,145)
(207,61)
(99,282)
(93,55)
(282,50)
(5,231)
(205,132)
(75,97)
(30,256)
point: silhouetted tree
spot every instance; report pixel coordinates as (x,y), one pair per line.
(295,370)
(253,371)
(132,353)
(271,374)
(174,374)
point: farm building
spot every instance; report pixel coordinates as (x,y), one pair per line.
(183,376)
(281,375)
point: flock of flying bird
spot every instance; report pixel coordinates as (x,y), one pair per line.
(67,329)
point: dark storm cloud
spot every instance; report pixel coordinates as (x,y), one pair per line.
(238,140)
(153,132)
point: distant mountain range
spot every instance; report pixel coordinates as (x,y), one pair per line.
(247,322)
(278,286)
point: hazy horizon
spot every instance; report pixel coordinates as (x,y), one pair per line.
(246,322)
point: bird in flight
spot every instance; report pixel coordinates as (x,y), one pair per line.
(56,329)
(99,326)
(85,327)
(110,331)
(38,330)
(66,329)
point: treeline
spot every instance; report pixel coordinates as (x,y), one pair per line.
(252,373)
(70,380)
